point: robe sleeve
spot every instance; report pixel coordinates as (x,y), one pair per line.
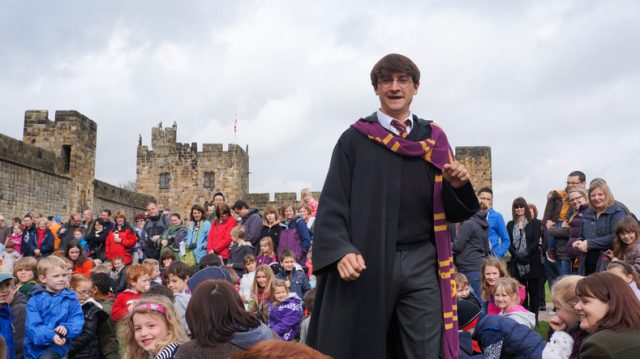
(460,203)
(332,238)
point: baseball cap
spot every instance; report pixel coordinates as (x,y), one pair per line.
(6,276)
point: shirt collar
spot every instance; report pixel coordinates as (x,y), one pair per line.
(385,121)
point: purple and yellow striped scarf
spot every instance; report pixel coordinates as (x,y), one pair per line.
(437,151)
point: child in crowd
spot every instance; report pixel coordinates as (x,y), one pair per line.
(308,299)
(492,270)
(108,263)
(296,280)
(625,271)
(564,299)
(78,236)
(153,330)
(239,249)
(307,198)
(7,289)
(138,278)
(178,274)
(464,291)
(469,314)
(626,246)
(101,288)
(153,266)
(16,238)
(86,344)
(267,253)
(505,294)
(75,253)
(247,279)
(166,258)
(118,276)
(285,311)
(261,290)
(100,268)
(54,316)
(25,270)
(9,256)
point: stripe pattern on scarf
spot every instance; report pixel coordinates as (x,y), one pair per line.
(437,151)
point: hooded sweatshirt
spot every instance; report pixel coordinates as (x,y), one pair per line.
(521,315)
(471,245)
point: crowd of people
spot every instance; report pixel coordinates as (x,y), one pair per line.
(217,285)
(232,277)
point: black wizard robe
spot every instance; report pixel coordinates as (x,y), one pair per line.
(358,213)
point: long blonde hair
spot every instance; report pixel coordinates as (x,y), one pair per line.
(491,262)
(267,288)
(175,330)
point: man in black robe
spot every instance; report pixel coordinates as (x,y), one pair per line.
(374,252)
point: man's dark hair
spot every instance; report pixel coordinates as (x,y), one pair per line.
(179,269)
(581,176)
(485,190)
(394,63)
(50,218)
(240,204)
(28,215)
(219,194)
(102,282)
(160,290)
(209,260)
(108,211)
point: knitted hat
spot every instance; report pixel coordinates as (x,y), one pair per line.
(468,314)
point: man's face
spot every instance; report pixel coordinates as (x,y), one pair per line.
(105,216)
(87,216)
(396,92)
(27,222)
(153,210)
(75,219)
(240,212)
(7,291)
(574,182)
(486,198)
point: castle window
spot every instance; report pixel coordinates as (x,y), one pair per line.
(209,180)
(66,158)
(165,179)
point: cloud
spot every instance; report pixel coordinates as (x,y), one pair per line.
(551,86)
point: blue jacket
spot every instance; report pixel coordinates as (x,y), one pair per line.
(6,329)
(31,244)
(502,337)
(299,282)
(198,239)
(598,231)
(498,236)
(45,312)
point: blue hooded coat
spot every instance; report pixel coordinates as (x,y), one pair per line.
(502,337)
(6,329)
(45,312)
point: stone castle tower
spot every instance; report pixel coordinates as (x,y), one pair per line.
(72,138)
(477,160)
(178,176)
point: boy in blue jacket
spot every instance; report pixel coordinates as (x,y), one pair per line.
(7,288)
(296,280)
(54,315)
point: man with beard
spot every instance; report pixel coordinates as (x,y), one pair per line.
(152,230)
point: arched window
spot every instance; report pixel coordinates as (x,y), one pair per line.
(165,180)
(209,180)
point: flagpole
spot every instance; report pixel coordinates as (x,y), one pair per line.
(235,129)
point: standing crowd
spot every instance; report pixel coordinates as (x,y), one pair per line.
(232,281)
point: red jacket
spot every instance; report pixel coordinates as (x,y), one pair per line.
(120,307)
(122,249)
(219,238)
(84,269)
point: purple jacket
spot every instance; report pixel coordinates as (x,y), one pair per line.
(285,318)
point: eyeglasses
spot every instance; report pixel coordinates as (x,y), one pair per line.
(388,81)
(518,206)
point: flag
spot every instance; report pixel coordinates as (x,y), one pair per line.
(235,125)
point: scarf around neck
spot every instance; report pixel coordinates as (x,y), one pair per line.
(436,151)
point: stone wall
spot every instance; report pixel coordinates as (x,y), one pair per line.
(107,196)
(477,160)
(187,170)
(51,172)
(28,182)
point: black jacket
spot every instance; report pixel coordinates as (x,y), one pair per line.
(532,233)
(86,344)
(19,311)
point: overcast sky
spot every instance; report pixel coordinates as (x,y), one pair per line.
(551,86)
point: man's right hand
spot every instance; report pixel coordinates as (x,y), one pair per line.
(350,266)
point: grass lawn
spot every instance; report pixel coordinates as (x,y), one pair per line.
(542,328)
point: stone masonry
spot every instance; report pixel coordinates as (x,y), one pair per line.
(477,160)
(52,171)
(179,175)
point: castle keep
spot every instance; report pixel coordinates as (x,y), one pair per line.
(179,175)
(52,170)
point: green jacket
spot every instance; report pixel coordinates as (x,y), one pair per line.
(606,344)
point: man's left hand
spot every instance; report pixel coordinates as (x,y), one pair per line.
(456,174)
